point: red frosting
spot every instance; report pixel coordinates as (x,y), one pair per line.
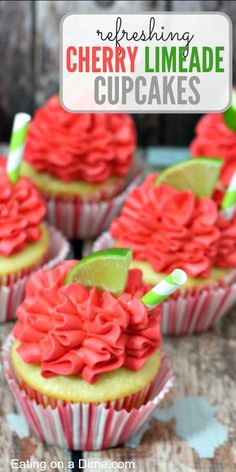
(21,212)
(215,139)
(69,329)
(80,146)
(172,229)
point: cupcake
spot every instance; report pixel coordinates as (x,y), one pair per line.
(84,359)
(25,241)
(216,138)
(168,228)
(82,163)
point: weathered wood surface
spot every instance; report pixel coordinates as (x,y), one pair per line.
(29,43)
(16,74)
(11,445)
(203,365)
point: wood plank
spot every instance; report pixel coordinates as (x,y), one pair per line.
(229,8)
(11,445)
(200,5)
(17,83)
(48,15)
(157,158)
(178,129)
(203,365)
(27,56)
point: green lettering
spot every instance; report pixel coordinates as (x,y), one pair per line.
(207,59)
(194,63)
(169,59)
(182,59)
(157,59)
(219,58)
(147,67)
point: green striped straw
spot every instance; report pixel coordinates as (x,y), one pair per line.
(17,144)
(230,114)
(164,289)
(229,202)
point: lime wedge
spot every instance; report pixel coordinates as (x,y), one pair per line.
(106,270)
(199,175)
(230,114)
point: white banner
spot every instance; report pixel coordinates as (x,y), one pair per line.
(146,63)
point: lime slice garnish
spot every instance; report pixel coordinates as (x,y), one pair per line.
(106,270)
(199,175)
(230,114)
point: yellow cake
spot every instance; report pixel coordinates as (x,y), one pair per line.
(85,353)
(51,185)
(24,238)
(110,386)
(108,346)
(151,277)
(78,155)
(167,229)
(30,256)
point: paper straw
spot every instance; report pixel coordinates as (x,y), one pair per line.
(229,202)
(17,144)
(164,289)
(230,114)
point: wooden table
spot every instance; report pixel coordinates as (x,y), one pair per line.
(203,365)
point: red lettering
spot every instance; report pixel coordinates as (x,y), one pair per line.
(120,59)
(107,59)
(83,58)
(71,51)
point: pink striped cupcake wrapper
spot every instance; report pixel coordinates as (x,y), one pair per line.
(195,310)
(132,401)
(85,426)
(86,219)
(7,280)
(104,194)
(13,288)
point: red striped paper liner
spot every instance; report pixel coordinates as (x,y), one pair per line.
(9,279)
(194,310)
(81,426)
(12,293)
(129,402)
(105,193)
(84,219)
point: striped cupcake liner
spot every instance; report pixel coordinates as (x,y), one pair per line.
(81,426)
(195,310)
(7,280)
(13,288)
(104,194)
(193,314)
(85,219)
(133,401)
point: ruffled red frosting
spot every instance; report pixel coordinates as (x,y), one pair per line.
(69,329)
(172,229)
(21,212)
(89,147)
(215,139)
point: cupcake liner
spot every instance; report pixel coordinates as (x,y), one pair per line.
(12,294)
(85,426)
(105,193)
(7,280)
(192,314)
(194,310)
(132,401)
(85,219)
